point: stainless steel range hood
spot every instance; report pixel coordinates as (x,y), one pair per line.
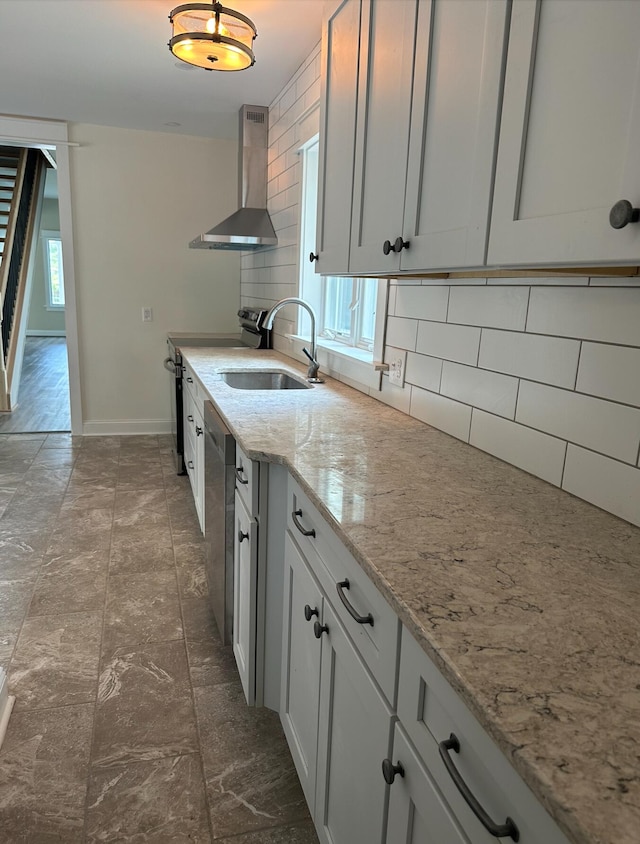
(250,227)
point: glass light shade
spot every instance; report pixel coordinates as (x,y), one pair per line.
(212,36)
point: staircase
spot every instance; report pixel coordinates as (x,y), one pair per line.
(9,165)
(21,184)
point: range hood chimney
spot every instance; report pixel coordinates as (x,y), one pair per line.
(250,227)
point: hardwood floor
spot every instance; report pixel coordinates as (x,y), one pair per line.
(43,400)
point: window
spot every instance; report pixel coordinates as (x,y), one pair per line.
(346,307)
(53,270)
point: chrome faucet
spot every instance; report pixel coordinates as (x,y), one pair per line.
(314,366)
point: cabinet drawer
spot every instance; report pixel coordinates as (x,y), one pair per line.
(368,619)
(192,387)
(247,480)
(430,711)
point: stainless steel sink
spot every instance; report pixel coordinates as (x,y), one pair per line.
(263,379)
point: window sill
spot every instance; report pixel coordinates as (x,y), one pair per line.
(345,363)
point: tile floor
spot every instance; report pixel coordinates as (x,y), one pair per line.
(129,723)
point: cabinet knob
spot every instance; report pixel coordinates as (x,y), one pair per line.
(198,431)
(400,244)
(190,464)
(313,257)
(623,213)
(387,247)
(190,379)
(319,629)
(309,613)
(389,770)
(242,536)
(190,418)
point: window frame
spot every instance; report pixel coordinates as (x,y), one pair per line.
(313,287)
(47,238)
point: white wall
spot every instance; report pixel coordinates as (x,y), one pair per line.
(271,274)
(138,198)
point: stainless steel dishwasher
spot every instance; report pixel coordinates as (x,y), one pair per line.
(219,488)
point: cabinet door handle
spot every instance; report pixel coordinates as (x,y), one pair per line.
(623,213)
(301,527)
(361,619)
(508,828)
(190,418)
(198,431)
(241,480)
(190,464)
(309,613)
(170,364)
(313,257)
(319,629)
(389,770)
(242,536)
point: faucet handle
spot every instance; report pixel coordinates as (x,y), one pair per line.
(309,355)
(312,371)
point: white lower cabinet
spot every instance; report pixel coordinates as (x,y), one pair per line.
(194,449)
(245,568)
(336,720)
(418,814)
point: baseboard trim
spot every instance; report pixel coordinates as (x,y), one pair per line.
(6,704)
(46,332)
(124,427)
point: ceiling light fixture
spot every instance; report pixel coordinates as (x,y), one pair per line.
(211,36)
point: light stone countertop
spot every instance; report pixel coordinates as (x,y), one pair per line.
(527,598)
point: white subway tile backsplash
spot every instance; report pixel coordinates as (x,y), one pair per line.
(497,307)
(607,314)
(402,332)
(397,397)
(443,413)
(422,302)
(552,360)
(612,372)
(423,371)
(604,482)
(603,426)
(480,388)
(530,450)
(452,342)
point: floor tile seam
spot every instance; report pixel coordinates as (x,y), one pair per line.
(92,739)
(27,710)
(189,675)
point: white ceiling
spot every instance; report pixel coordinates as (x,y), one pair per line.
(107,62)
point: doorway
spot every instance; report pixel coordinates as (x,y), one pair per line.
(43,397)
(49,394)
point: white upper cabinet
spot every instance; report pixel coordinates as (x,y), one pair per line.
(428,104)
(569,135)
(340,41)
(454,118)
(387,37)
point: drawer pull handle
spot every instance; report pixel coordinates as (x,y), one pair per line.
(319,629)
(301,528)
(389,770)
(189,379)
(198,431)
(240,479)
(361,619)
(242,536)
(190,418)
(508,828)
(309,613)
(190,464)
